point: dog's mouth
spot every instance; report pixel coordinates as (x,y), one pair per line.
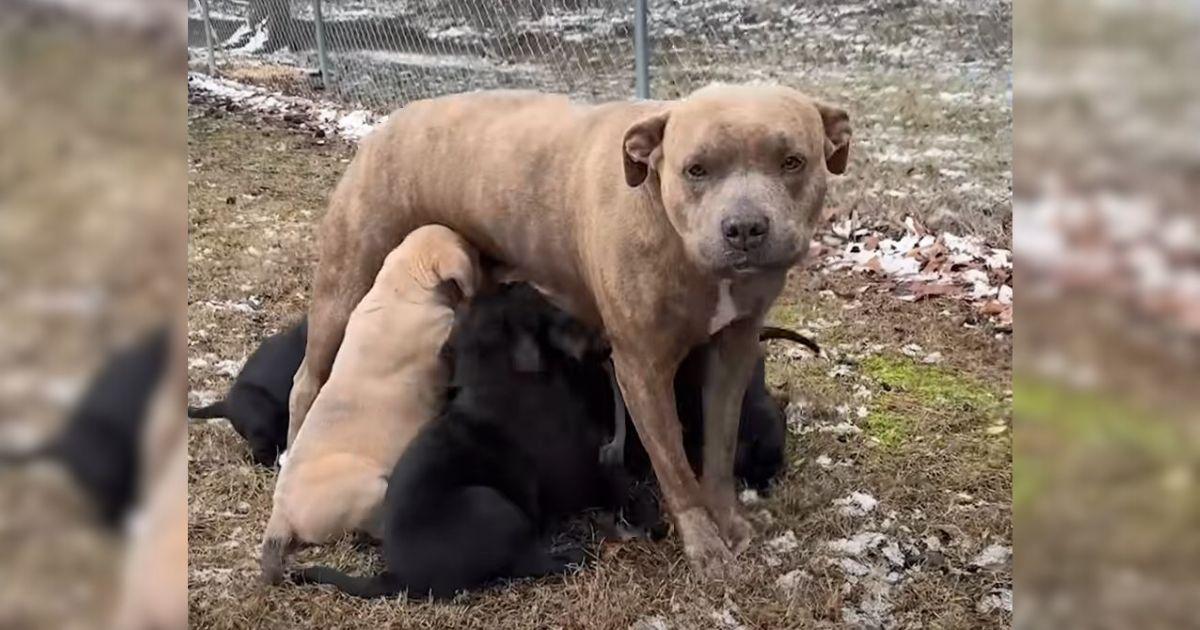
(740,264)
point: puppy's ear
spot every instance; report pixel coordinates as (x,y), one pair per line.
(572,337)
(527,357)
(459,266)
(837,137)
(642,146)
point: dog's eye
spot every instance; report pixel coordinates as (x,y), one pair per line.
(793,163)
(696,171)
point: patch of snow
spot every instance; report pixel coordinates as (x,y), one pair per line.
(857,504)
(790,580)
(257,41)
(725,619)
(650,623)
(993,557)
(784,543)
(841,428)
(996,599)
(857,545)
(352,125)
(229,367)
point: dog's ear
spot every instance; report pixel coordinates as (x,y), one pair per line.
(574,339)
(837,137)
(571,337)
(642,147)
(527,357)
(458,266)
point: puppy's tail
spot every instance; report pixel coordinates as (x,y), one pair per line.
(381,585)
(775,332)
(218,409)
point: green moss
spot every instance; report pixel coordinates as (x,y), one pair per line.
(785,315)
(909,392)
(886,426)
(1028,478)
(1092,418)
(930,386)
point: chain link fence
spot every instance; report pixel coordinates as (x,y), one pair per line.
(380,54)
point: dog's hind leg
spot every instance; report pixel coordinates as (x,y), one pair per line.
(537,560)
(277,542)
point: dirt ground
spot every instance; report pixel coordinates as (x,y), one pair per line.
(894,509)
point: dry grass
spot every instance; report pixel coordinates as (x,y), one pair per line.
(249,265)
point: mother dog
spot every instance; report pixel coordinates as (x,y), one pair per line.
(667,224)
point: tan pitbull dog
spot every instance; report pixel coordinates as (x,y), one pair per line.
(388,381)
(668,224)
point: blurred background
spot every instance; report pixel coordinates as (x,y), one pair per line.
(1107,360)
(92,192)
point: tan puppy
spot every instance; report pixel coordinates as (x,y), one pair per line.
(154,589)
(387,382)
(668,224)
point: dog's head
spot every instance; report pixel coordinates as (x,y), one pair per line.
(265,439)
(440,264)
(741,172)
(514,330)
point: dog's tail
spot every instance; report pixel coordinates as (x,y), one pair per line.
(277,541)
(382,585)
(219,409)
(775,332)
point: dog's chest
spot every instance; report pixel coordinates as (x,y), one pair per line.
(726,309)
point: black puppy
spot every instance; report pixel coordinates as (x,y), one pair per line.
(257,403)
(477,493)
(762,428)
(100,442)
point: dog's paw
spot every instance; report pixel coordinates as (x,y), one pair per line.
(736,530)
(708,554)
(612,454)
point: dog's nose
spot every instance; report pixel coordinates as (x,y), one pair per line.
(745,232)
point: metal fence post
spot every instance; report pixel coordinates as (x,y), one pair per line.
(322,54)
(641,50)
(208,39)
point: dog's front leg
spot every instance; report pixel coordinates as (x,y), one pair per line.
(729,364)
(648,385)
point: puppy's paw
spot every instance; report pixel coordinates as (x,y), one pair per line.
(571,553)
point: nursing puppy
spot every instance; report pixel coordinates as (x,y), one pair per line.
(473,498)
(257,403)
(762,425)
(388,381)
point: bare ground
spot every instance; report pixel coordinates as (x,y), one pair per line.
(929,442)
